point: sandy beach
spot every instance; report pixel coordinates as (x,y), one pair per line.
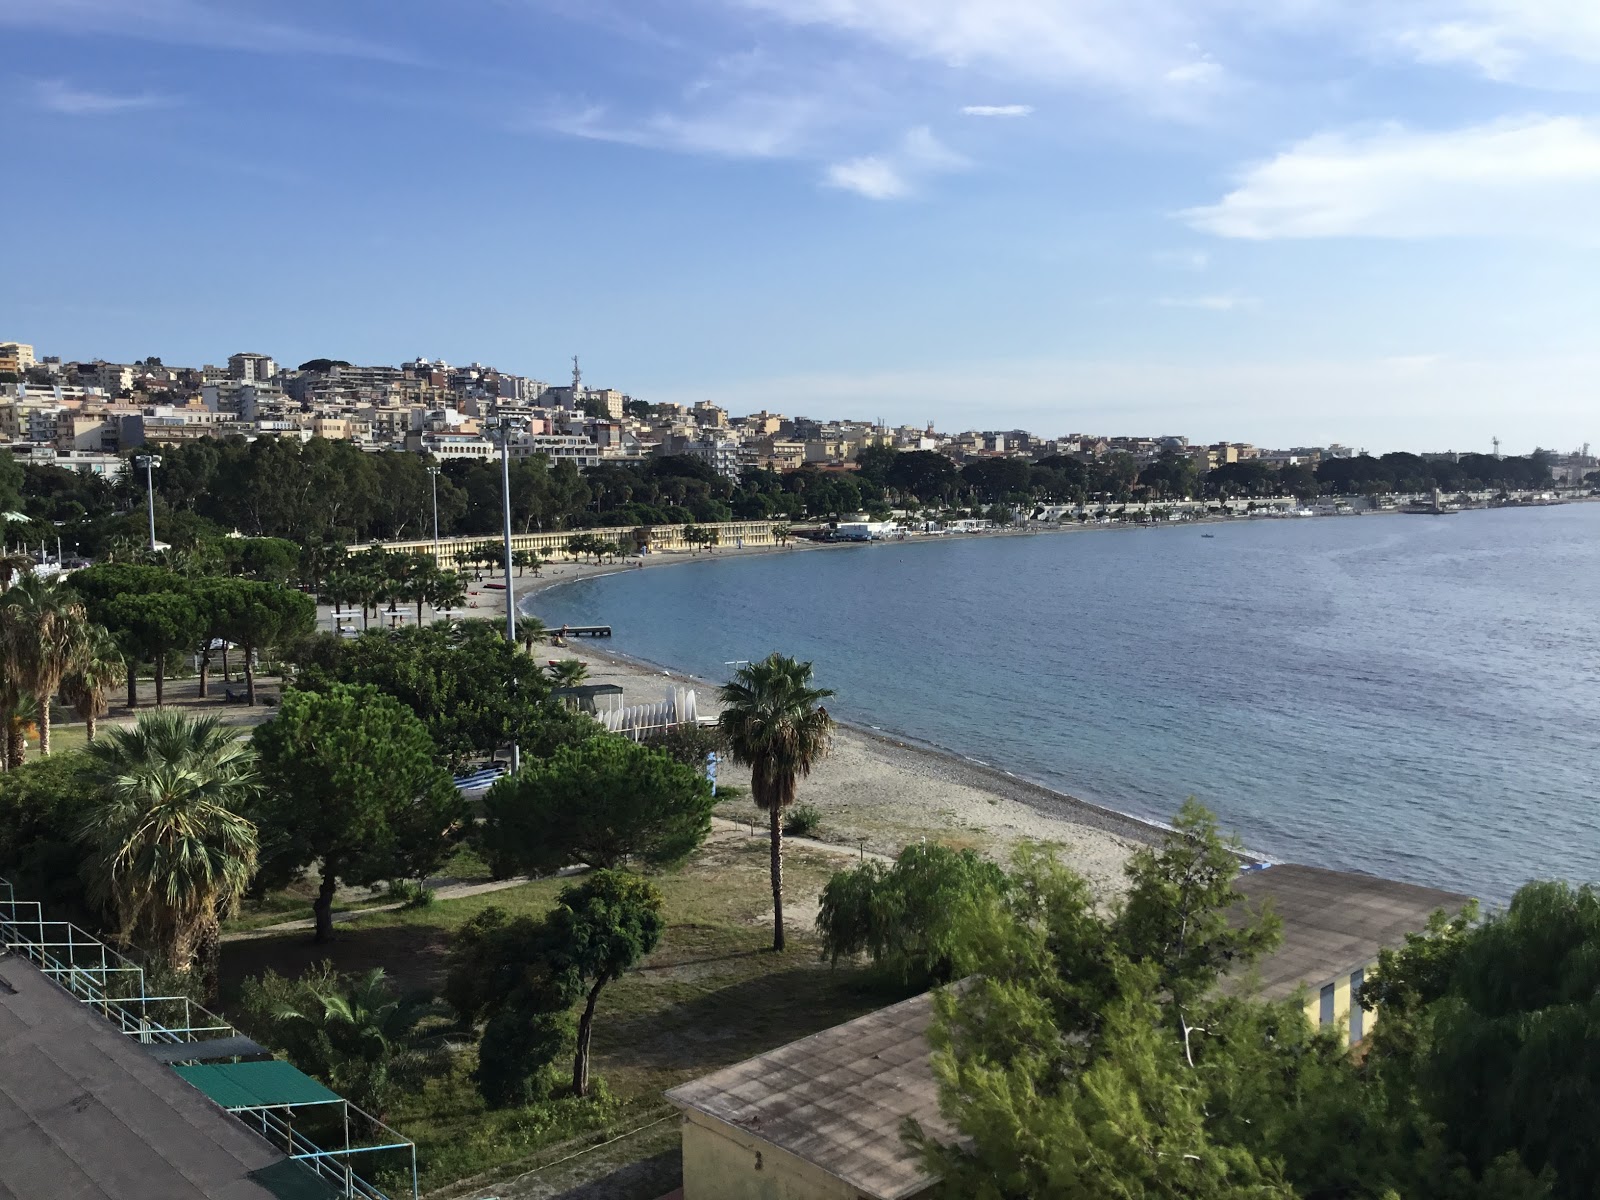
(876,791)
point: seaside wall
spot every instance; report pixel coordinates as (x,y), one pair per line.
(635,538)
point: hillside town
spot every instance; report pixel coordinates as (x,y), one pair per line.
(85,414)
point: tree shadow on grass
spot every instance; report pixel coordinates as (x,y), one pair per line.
(727,1024)
(412,956)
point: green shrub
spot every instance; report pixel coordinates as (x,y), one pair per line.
(802,820)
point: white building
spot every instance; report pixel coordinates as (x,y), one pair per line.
(251,368)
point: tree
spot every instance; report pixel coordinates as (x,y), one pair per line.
(908,917)
(525,976)
(1493,1024)
(97,668)
(42,635)
(171,849)
(602,927)
(1176,914)
(567,673)
(151,626)
(776,725)
(42,807)
(606,802)
(352,784)
(470,688)
(355,1033)
(259,616)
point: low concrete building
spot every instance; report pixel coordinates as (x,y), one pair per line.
(1334,925)
(821,1118)
(818,1119)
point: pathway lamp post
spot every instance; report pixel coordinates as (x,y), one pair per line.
(433,475)
(149,462)
(500,431)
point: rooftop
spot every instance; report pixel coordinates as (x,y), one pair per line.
(838,1098)
(1334,921)
(86,1112)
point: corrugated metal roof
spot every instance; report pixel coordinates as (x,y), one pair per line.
(1334,921)
(839,1098)
(270,1084)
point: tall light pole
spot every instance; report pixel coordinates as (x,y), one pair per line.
(433,473)
(500,430)
(149,462)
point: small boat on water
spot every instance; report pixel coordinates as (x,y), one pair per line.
(1208,535)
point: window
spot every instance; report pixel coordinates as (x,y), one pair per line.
(1325,1017)
(1357,1015)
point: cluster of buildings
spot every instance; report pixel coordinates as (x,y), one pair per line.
(83,414)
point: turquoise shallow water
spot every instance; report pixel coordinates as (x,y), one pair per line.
(1413,696)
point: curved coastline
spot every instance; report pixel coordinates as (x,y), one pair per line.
(981,776)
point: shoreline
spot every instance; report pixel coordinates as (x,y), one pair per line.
(881,791)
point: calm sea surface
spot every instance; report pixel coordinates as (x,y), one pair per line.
(1413,696)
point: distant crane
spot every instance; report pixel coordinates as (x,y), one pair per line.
(1496,442)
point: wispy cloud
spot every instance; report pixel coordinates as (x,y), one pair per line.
(1534,176)
(896,173)
(748,126)
(58,96)
(996,110)
(1528,41)
(1187,260)
(1215,302)
(228,26)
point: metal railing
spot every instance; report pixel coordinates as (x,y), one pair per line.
(114,985)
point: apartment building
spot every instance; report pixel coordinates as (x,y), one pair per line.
(251,368)
(15,357)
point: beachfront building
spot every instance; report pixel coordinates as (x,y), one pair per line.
(818,1119)
(821,1118)
(634,538)
(1334,925)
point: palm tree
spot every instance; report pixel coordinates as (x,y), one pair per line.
(777,727)
(530,632)
(12,565)
(18,710)
(41,635)
(361,1038)
(171,852)
(569,672)
(446,590)
(99,667)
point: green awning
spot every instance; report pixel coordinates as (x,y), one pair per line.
(256,1084)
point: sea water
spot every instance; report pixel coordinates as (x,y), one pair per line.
(1413,696)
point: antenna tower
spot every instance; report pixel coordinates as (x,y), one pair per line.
(1496,446)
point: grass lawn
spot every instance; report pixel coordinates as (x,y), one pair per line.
(712,994)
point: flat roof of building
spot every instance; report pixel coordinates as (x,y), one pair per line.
(1334,922)
(86,1113)
(839,1098)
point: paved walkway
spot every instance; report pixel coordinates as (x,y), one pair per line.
(449,891)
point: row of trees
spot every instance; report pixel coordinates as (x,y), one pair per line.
(323,492)
(154,614)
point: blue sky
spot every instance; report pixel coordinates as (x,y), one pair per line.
(1281,221)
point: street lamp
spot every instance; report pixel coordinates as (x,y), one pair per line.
(500,430)
(433,473)
(149,462)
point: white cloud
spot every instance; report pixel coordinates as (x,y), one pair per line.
(869,176)
(58,96)
(189,23)
(996,110)
(1215,302)
(892,175)
(1534,176)
(1530,41)
(747,126)
(1103,42)
(1201,73)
